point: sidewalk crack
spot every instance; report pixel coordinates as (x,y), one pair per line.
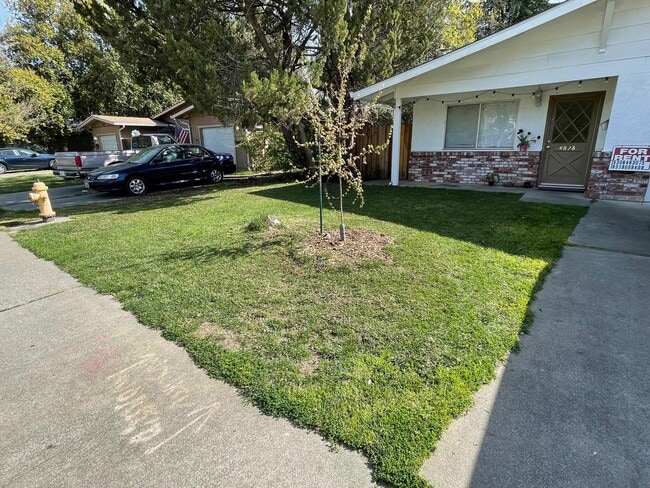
(617,251)
(39,299)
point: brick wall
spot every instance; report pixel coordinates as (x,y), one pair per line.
(603,184)
(513,167)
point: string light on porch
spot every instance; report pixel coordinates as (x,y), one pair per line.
(537,94)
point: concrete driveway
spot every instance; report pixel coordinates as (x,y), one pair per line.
(89,397)
(572,409)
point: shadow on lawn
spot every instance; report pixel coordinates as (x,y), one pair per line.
(208,253)
(495,220)
(176,196)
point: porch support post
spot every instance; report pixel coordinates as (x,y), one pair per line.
(397,142)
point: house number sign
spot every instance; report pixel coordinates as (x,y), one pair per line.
(566,148)
(630,158)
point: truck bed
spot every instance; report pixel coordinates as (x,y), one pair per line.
(67,167)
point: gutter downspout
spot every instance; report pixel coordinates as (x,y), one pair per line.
(120,136)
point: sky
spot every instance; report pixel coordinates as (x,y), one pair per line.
(4,13)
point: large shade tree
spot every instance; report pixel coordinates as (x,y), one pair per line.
(210,48)
(499,14)
(31,108)
(50,43)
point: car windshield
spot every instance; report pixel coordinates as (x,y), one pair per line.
(144,156)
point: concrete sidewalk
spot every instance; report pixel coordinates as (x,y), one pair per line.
(572,409)
(89,397)
(531,195)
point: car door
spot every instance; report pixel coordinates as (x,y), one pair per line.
(28,159)
(167,166)
(11,157)
(198,162)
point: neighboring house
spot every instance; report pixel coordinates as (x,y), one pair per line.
(113,133)
(206,130)
(578,75)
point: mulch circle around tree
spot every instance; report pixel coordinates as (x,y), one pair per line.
(360,245)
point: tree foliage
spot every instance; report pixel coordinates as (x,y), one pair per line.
(32,109)
(52,45)
(499,14)
(211,48)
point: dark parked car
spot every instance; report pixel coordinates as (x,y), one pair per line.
(20,158)
(161,165)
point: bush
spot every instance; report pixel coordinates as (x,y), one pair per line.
(267,150)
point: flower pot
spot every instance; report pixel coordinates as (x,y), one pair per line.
(523,148)
(490,183)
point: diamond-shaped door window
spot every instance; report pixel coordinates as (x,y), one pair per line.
(572,121)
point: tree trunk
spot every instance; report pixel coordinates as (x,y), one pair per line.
(296,138)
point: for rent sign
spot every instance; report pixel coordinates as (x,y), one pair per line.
(629,158)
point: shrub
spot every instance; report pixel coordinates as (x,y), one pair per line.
(267,150)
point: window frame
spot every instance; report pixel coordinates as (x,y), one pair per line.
(478,126)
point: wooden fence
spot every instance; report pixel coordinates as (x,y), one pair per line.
(378,166)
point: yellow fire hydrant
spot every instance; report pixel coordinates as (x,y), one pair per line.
(41,197)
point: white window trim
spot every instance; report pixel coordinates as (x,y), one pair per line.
(478,127)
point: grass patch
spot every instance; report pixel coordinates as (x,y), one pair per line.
(379,356)
(16,184)
(9,219)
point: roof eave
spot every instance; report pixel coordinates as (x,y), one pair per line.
(503,35)
(168,110)
(115,123)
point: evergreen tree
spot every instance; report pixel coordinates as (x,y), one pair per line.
(211,48)
(499,14)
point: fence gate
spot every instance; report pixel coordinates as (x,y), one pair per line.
(377,166)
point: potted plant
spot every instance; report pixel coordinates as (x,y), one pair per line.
(492,178)
(524,140)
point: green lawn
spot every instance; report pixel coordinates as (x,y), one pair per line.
(15,184)
(375,355)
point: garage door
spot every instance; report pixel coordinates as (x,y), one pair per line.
(219,139)
(108,142)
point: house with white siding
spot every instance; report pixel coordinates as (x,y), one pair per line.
(577,77)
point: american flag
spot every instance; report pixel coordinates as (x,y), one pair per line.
(181,134)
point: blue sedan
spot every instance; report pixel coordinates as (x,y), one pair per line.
(19,158)
(161,165)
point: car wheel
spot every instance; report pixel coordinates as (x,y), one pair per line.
(215,176)
(51,164)
(136,186)
(3,168)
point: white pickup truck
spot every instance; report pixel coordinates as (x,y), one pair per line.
(78,164)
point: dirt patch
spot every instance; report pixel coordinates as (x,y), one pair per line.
(360,245)
(225,337)
(309,365)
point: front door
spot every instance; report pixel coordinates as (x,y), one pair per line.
(570,137)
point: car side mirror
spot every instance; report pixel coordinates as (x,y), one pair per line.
(34,155)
